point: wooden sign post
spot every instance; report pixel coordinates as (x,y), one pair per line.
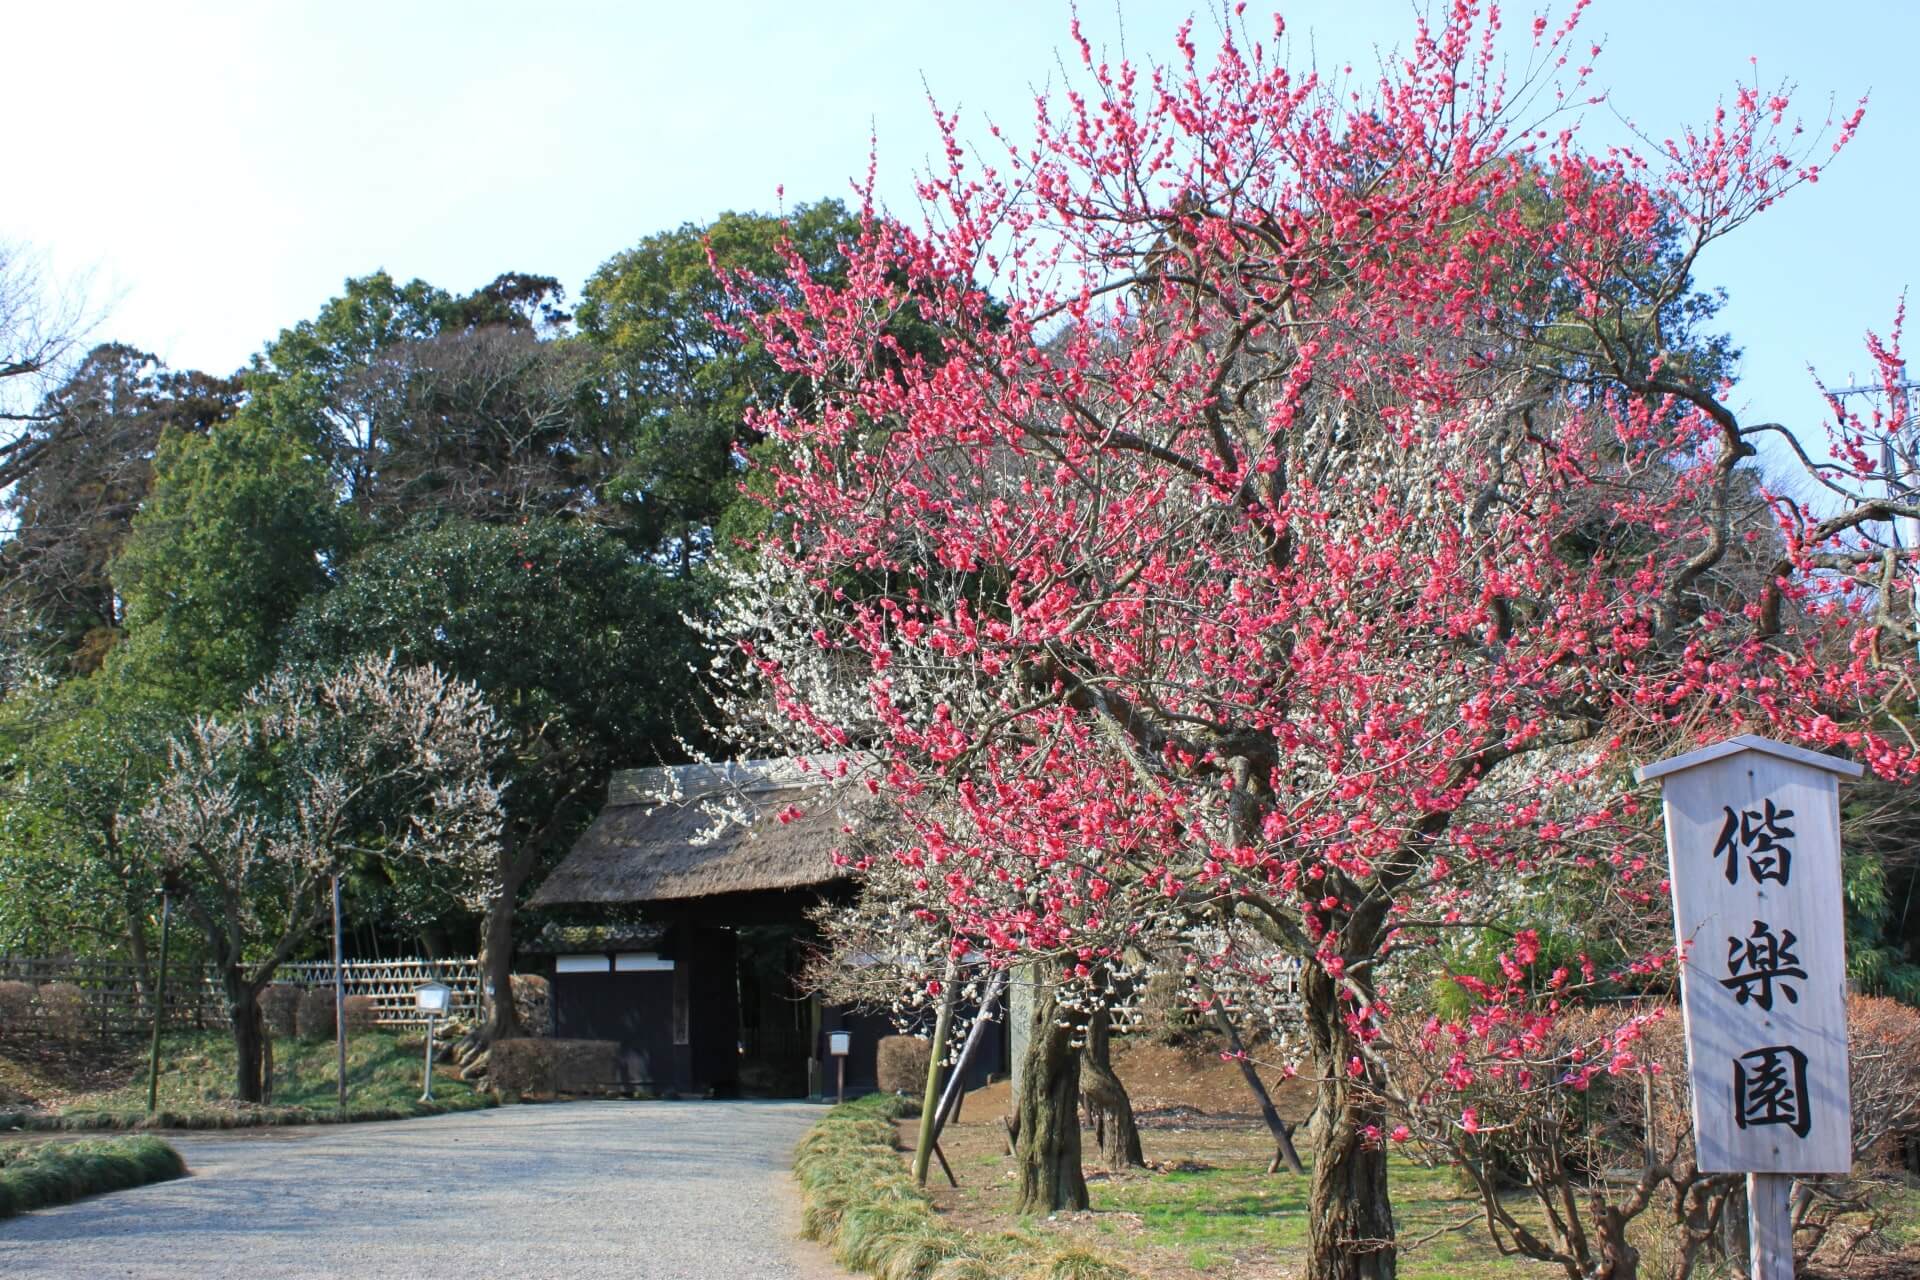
(1753,838)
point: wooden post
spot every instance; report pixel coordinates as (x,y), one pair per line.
(930,1102)
(159,1004)
(339,998)
(426,1074)
(1770,1226)
(816,1070)
(945,1168)
(956,1084)
(1282,1136)
(841,1089)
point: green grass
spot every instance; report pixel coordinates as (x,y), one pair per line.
(1212,1217)
(858,1198)
(196,1088)
(60,1172)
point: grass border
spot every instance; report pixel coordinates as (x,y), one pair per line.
(62,1172)
(858,1199)
(227,1117)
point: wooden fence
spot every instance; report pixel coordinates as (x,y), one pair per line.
(113,1003)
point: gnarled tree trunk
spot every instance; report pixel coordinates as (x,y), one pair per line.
(1619,1260)
(1047,1143)
(1113,1125)
(1350,1232)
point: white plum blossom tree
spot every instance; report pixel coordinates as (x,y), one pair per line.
(260,809)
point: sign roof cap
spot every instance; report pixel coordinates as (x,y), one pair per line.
(1748,742)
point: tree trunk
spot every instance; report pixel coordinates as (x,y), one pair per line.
(496,970)
(266,1060)
(1619,1259)
(502,1020)
(1118,1135)
(249,1037)
(1047,1147)
(137,949)
(1350,1232)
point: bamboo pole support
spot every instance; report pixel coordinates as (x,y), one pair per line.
(930,1103)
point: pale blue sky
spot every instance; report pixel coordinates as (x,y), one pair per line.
(219,168)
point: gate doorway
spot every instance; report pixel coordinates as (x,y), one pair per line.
(776,1018)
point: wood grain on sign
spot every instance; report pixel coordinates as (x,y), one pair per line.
(1753,835)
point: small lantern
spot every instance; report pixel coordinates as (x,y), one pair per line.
(432,999)
(839,1044)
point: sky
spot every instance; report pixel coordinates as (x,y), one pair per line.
(213,171)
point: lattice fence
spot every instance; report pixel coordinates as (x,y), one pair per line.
(391,984)
(112,1003)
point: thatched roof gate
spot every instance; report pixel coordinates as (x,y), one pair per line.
(699,831)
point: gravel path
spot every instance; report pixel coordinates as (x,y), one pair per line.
(637,1190)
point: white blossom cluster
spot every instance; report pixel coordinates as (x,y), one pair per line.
(376,759)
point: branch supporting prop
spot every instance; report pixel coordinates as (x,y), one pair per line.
(930,1102)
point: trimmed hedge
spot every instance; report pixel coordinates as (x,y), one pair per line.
(16,1007)
(314,1014)
(280,1006)
(363,1013)
(900,1064)
(63,1008)
(859,1198)
(59,1173)
(547,1068)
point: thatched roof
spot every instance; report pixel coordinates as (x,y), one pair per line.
(698,830)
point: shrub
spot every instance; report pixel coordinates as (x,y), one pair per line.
(544,1067)
(363,1013)
(901,1064)
(315,1016)
(533,1003)
(520,1066)
(16,1008)
(1883,1050)
(64,1006)
(280,1004)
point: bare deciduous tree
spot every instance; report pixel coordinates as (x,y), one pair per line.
(41,325)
